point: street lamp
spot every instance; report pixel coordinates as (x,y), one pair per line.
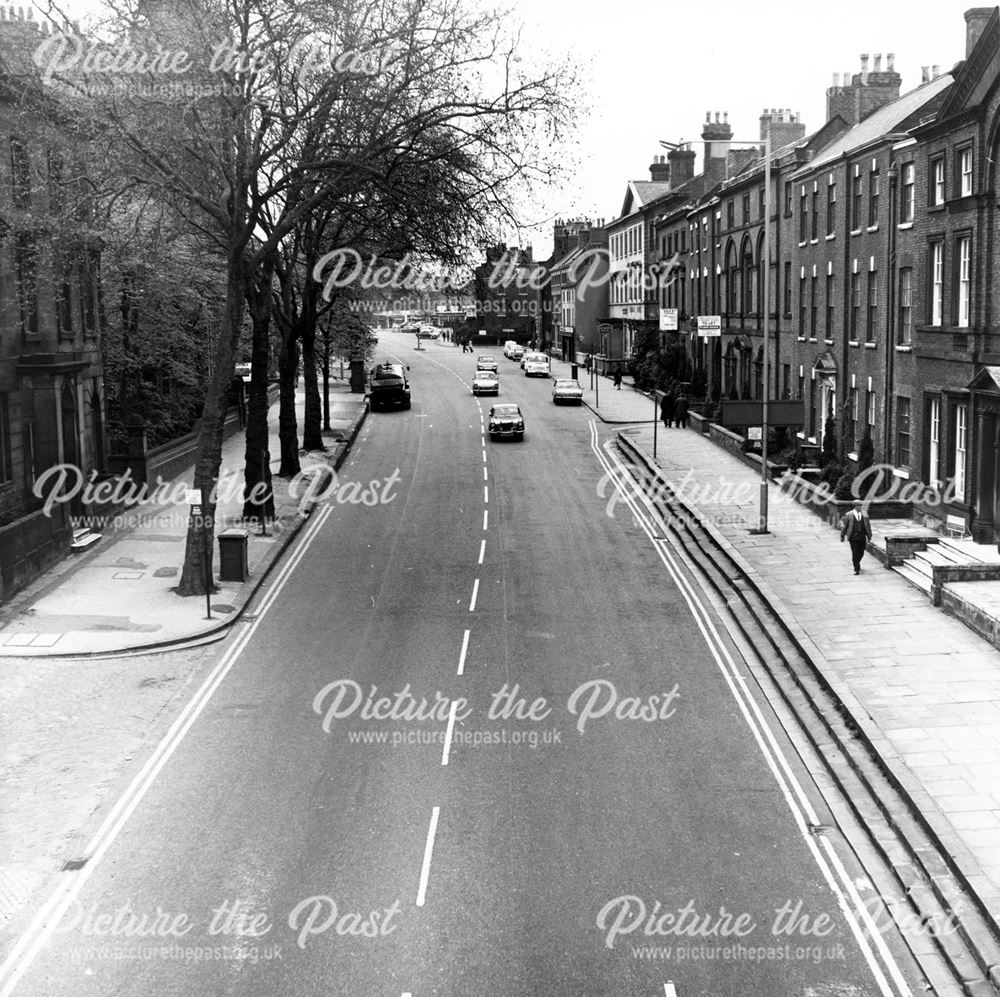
(766,311)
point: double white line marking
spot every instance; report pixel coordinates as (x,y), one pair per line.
(48,917)
(840,882)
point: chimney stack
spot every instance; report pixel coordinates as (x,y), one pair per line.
(659,170)
(975,21)
(681,162)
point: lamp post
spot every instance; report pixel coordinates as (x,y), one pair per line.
(761,526)
(766,309)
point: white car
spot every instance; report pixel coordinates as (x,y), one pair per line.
(536,365)
(486,382)
(516,352)
(567,390)
(507,347)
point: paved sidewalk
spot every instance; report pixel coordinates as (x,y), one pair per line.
(119,595)
(926,688)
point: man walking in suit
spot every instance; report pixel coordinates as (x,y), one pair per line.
(858,531)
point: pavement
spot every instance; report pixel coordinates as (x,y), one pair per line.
(120,595)
(926,686)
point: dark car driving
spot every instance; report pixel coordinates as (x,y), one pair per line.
(389,387)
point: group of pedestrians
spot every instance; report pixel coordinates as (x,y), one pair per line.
(674,409)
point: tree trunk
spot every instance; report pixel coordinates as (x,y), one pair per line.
(326,384)
(312,436)
(288,428)
(201,529)
(258,493)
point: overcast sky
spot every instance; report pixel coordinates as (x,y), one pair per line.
(654,68)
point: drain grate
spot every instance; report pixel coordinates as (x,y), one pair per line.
(71,865)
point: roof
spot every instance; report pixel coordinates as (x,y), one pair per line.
(988,378)
(881,122)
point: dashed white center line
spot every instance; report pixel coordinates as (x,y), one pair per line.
(485,475)
(475,592)
(669,990)
(428,851)
(461,657)
(486,494)
(486,518)
(484,455)
(448,731)
(482,551)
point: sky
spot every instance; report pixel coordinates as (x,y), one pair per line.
(653,69)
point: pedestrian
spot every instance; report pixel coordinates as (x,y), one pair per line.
(589,361)
(618,378)
(667,409)
(681,411)
(857,530)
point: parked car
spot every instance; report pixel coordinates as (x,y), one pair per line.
(536,365)
(508,346)
(389,387)
(506,420)
(566,389)
(487,363)
(516,352)
(485,382)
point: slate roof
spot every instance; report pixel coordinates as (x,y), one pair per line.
(881,122)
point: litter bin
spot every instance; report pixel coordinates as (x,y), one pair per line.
(574,370)
(233,555)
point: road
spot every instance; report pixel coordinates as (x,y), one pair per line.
(575,796)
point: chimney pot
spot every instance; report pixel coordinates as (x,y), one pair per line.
(725,117)
(890,58)
(836,79)
(877,67)
(935,72)
(708,116)
(924,74)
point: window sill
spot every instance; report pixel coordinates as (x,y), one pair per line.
(800,339)
(800,436)
(853,342)
(829,342)
(812,242)
(803,243)
(903,225)
(872,228)
(832,235)
(812,339)
(933,208)
(855,231)
(852,456)
(901,472)
(870,346)
(812,439)
(904,349)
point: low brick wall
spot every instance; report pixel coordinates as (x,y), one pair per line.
(698,423)
(973,617)
(726,439)
(898,549)
(31,544)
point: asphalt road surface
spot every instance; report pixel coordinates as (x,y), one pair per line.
(473,742)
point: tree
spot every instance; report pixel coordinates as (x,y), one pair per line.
(277,132)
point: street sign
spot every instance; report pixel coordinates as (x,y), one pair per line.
(709,325)
(603,328)
(192,496)
(779,413)
(668,319)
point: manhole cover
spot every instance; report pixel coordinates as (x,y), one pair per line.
(221,607)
